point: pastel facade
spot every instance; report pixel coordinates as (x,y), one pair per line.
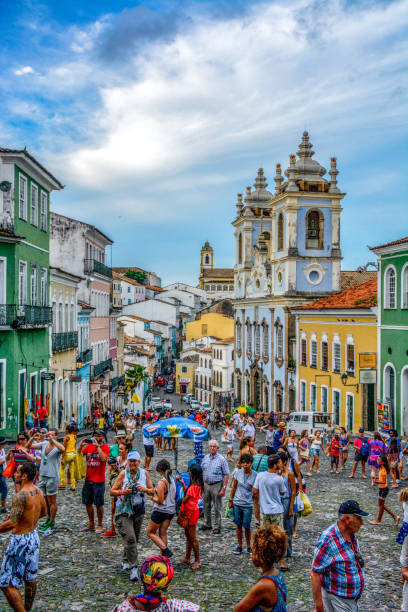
(287,251)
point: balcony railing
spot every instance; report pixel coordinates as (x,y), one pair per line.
(92,265)
(101,367)
(85,356)
(62,341)
(16,315)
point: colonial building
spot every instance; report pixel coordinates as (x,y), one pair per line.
(287,251)
(393,331)
(25,312)
(216,282)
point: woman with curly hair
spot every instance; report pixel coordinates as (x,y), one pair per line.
(269,593)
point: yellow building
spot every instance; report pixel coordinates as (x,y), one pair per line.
(212,324)
(185,374)
(336,356)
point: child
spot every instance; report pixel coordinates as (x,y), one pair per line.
(383,490)
(189,507)
(269,593)
(335,453)
(403,532)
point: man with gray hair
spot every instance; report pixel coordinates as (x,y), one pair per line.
(216,476)
(337,569)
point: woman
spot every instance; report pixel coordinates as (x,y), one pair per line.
(269,593)
(20,454)
(344,446)
(292,445)
(164,507)
(393,460)
(383,490)
(69,457)
(304,451)
(288,500)
(316,446)
(377,448)
(155,575)
(189,508)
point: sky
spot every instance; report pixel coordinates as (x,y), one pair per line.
(154,115)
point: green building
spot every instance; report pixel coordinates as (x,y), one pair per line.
(25,313)
(393,331)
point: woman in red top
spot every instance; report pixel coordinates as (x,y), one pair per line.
(189,506)
(334,451)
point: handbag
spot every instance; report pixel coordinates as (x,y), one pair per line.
(10,469)
(307,509)
(182,519)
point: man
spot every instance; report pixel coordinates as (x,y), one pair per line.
(20,563)
(337,569)
(362,446)
(96,454)
(278,436)
(249,431)
(42,415)
(60,413)
(149,447)
(242,501)
(3,480)
(215,476)
(268,490)
(120,437)
(129,489)
(51,453)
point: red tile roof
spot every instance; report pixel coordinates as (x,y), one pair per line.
(394,242)
(359,296)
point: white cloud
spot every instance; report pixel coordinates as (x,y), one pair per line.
(24,70)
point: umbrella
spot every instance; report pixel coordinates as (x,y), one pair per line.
(175,427)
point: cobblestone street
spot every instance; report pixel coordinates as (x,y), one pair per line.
(82,571)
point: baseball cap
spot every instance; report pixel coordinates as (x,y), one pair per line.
(351,507)
(133,456)
(361,430)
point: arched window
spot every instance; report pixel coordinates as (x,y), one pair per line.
(404,287)
(314,230)
(240,249)
(280,232)
(390,288)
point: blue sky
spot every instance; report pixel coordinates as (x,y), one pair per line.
(156,114)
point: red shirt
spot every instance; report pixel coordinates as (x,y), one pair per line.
(335,446)
(95,468)
(42,413)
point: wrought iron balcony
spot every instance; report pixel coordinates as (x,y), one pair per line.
(101,367)
(85,356)
(92,265)
(18,316)
(63,341)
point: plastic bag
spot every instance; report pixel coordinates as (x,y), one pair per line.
(307,509)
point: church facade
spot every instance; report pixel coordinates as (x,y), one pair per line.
(287,252)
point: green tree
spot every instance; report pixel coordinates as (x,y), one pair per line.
(137,275)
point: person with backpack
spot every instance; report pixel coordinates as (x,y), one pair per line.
(362,448)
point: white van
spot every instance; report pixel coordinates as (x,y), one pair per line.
(307,420)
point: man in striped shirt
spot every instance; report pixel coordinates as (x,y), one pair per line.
(337,570)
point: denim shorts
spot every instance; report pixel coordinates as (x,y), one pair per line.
(242,516)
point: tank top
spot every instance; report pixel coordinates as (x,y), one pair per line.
(71,443)
(169,503)
(280,605)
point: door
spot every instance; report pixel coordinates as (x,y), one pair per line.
(371,407)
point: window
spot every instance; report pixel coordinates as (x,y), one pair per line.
(22,197)
(43,212)
(303,395)
(34,205)
(33,285)
(313,354)
(257,340)
(314,230)
(43,288)
(336,357)
(324,399)
(280,232)
(303,352)
(404,287)
(249,338)
(22,283)
(240,248)
(313,397)
(390,288)
(265,342)
(350,359)
(325,356)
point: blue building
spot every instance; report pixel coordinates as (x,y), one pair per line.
(287,252)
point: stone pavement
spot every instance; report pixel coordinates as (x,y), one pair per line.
(81,572)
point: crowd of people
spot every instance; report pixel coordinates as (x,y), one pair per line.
(263,481)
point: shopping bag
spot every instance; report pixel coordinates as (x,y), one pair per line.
(298,505)
(307,509)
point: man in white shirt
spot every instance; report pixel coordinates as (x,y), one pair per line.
(268,489)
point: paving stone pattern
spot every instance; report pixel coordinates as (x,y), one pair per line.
(81,572)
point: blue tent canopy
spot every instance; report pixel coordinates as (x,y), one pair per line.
(175,427)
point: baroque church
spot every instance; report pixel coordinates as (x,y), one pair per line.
(287,252)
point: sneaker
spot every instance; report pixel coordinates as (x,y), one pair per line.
(109,534)
(238,550)
(134,574)
(249,551)
(125,565)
